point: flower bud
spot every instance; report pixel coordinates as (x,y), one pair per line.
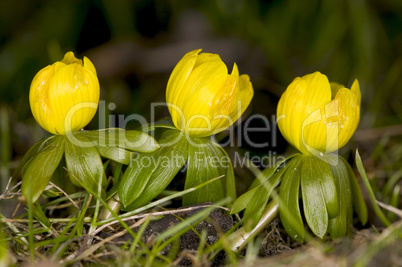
(316,116)
(64,96)
(203,99)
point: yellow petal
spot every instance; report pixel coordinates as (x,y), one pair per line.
(320,130)
(38,98)
(244,95)
(335,88)
(356,90)
(89,66)
(229,103)
(202,86)
(225,103)
(62,94)
(205,58)
(349,114)
(176,82)
(69,58)
(204,81)
(179,75)
(317,91)
(302,97)
(235,71)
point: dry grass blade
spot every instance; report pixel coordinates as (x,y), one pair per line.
(390,208)
(8,192)
(67,196)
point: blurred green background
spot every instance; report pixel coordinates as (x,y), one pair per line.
(134,46)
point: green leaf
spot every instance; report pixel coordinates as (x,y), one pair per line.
(117,154)
(258,201)
(117,170)
(201,168)
(139,177)
(116,137)
(61,179)
(38,171)
(174,159)
(31,153)
(136,177)
(242,202)
(140,142)
(268,172)
(84,164)
(289,195)
(341,225)
(51,193)
(313,200)
(322,172)
(40,215)
(228,181)
(255,207)
(112,191)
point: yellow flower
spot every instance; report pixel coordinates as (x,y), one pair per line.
(203,99)
(316,116)
(64,96)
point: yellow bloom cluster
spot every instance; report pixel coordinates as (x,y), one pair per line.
(317,116)
(64,96)
(203,99)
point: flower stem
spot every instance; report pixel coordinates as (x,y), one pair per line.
(114,204)
(242,237)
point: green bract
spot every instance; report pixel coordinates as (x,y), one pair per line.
(145,178)
(82,152)
(255,200)
(149,174)
(328,190)
(40,166)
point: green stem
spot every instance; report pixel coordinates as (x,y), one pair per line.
(242,237)
(114,204)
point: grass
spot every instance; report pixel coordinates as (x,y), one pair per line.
(273,42)
(127,239)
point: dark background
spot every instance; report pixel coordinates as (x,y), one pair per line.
(134,46)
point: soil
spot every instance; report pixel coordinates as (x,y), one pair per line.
(217,223)
(274,240)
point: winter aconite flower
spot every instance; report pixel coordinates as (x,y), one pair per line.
(64,96)
(316,116)
(203,99)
